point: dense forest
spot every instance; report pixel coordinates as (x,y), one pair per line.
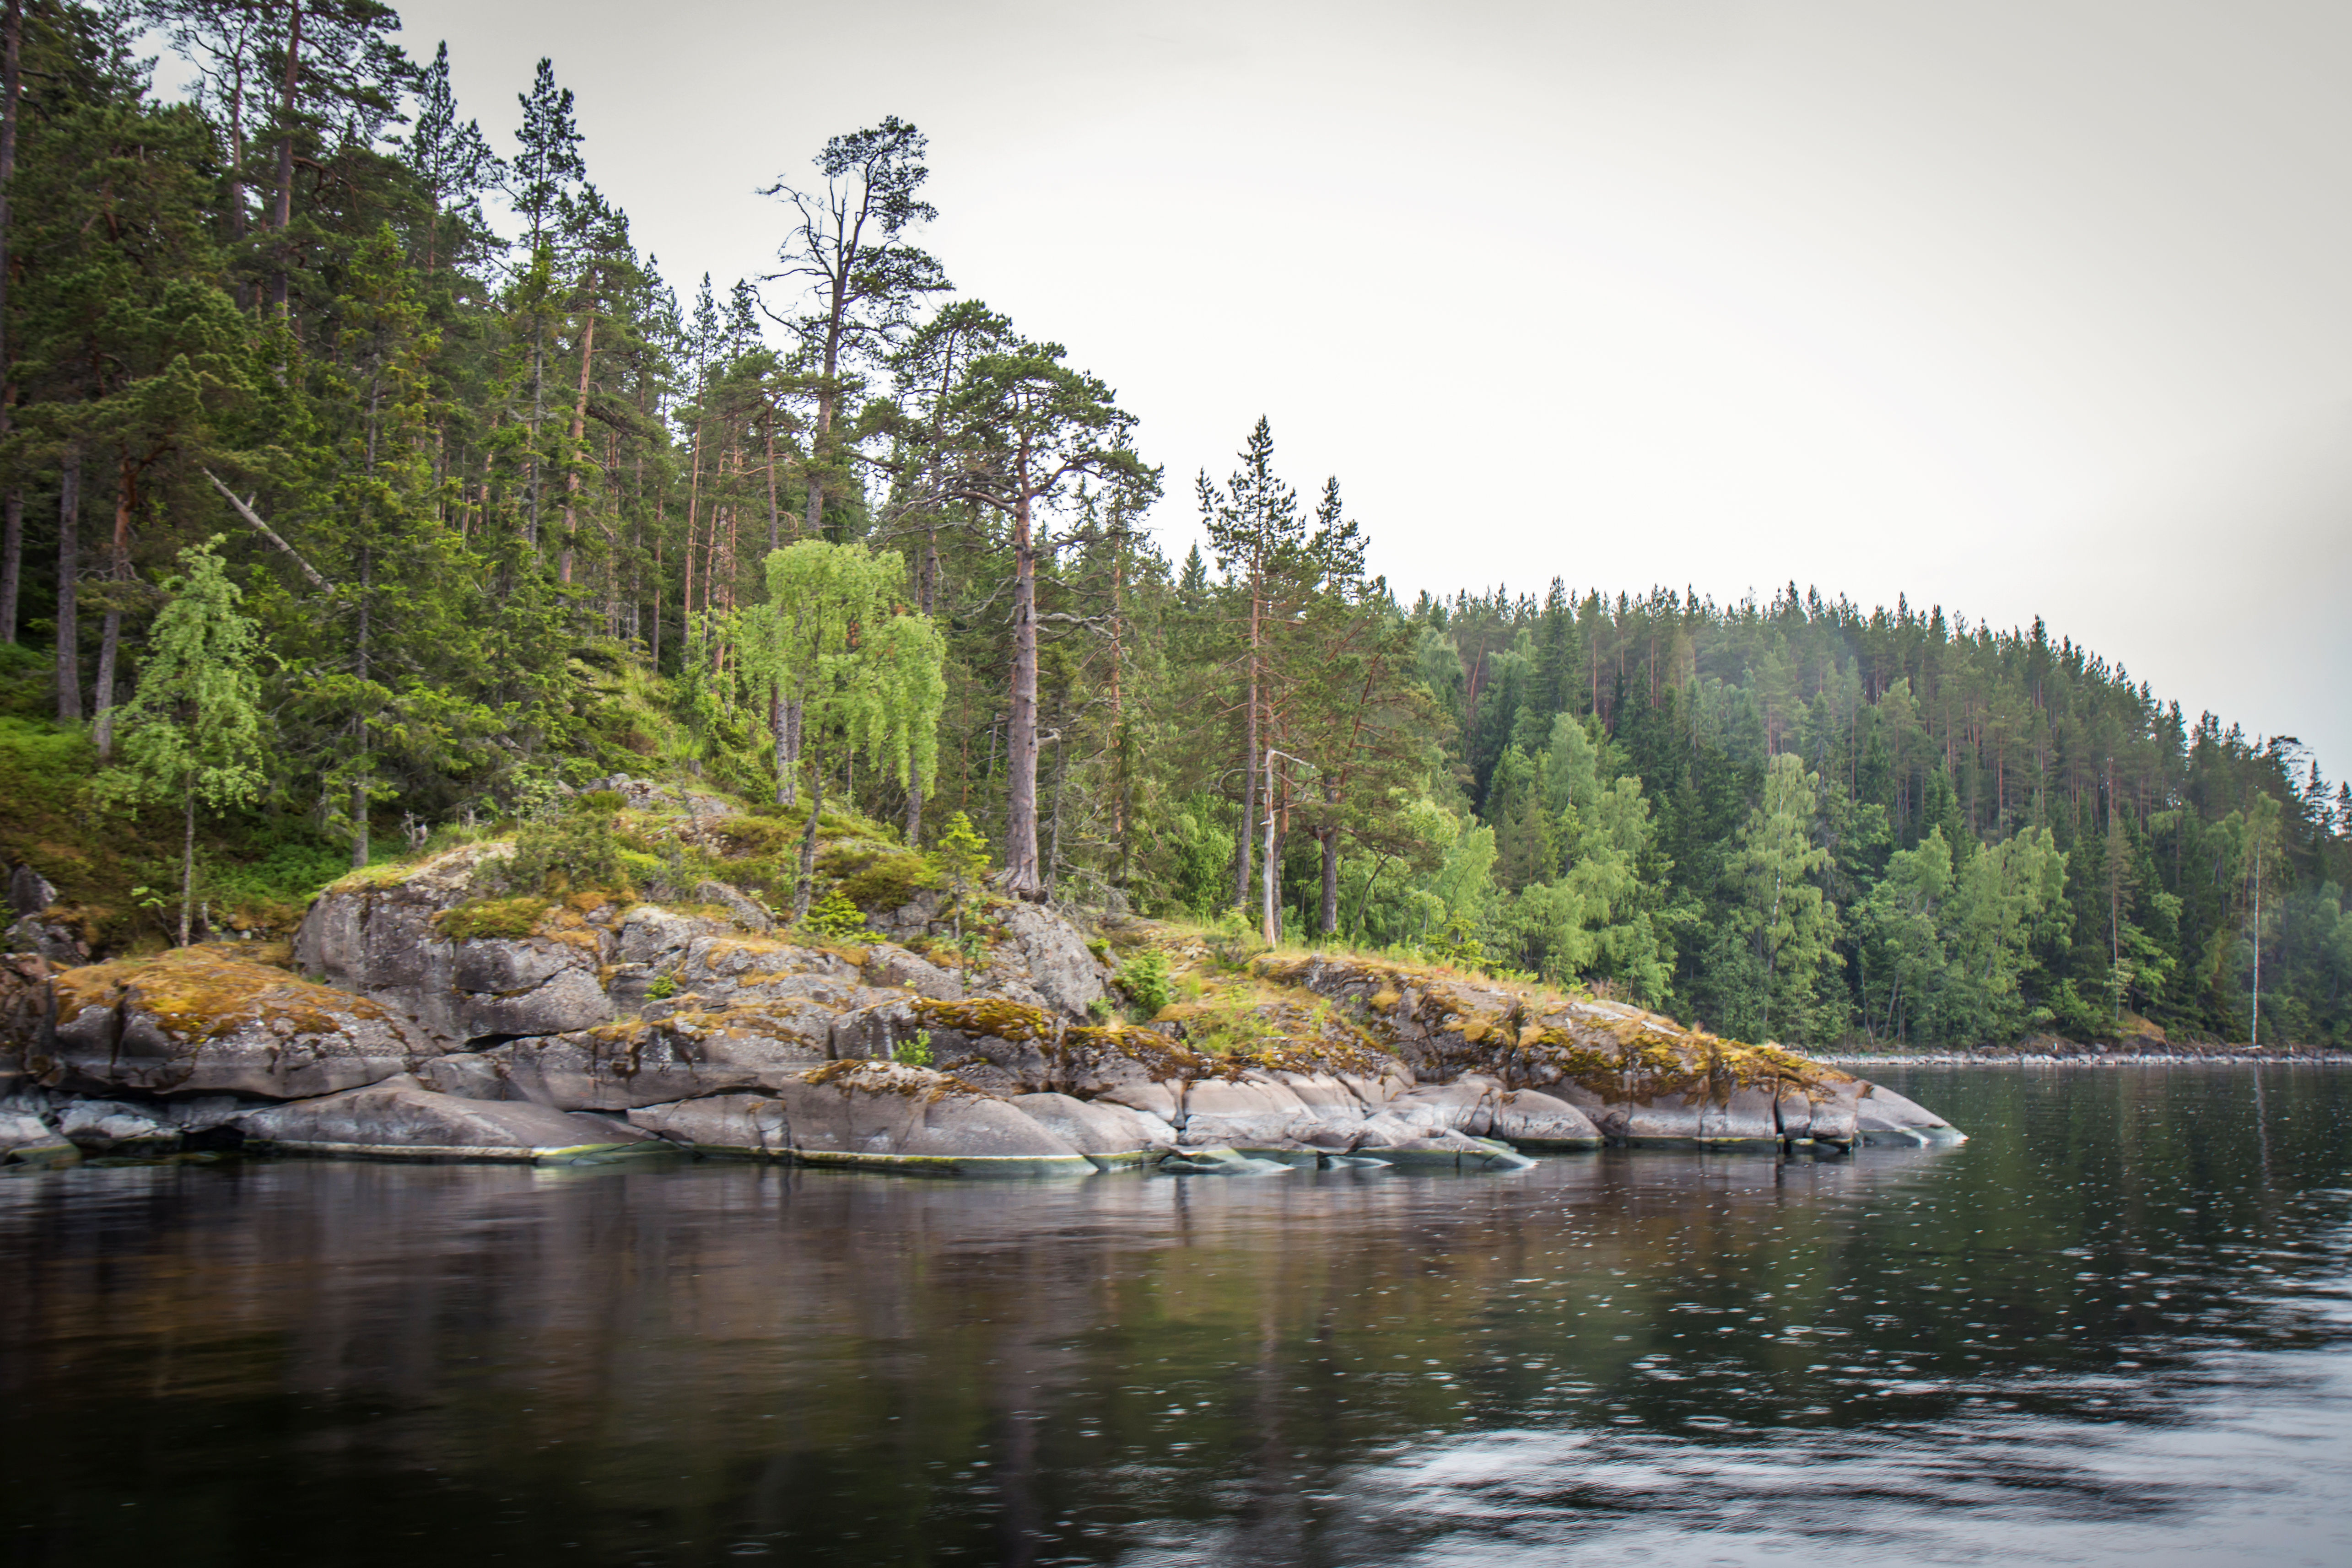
(339,518)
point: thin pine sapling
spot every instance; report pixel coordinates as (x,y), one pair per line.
(192,730)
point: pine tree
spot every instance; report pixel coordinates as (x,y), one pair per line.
(848,247)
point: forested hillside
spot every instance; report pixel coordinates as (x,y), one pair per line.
(338,518)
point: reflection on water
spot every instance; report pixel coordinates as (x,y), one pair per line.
(2108,1328)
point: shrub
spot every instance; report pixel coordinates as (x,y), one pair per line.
(662,987)
(835,919)
(1145,981)
(489,917)
(916,1053)
(597,803)
(564,853)
(757,835)
(1234,940)
(889,879)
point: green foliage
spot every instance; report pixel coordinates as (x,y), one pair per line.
(661,988)
(962,855)
(878,877)
(573,852)
(1145,981)
(482,918)
(287,876)
(835,918)
(915,1052)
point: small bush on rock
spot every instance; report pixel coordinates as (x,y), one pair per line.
(889,879)
(835,919)
(492,917)
(567,852)
(1145,981)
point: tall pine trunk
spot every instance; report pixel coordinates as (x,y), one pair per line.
(359,721)
(110,641)
(1021,873)
(579,429)
(68,582)
(1249,762)
(1329,834)
(284,216)
(12,505)
(187,863)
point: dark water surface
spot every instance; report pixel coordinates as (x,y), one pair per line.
(2111,1328)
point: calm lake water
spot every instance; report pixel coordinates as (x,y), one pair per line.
(2111,1328)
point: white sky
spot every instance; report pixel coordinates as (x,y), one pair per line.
(2017,306)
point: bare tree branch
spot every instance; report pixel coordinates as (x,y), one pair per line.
(244,511)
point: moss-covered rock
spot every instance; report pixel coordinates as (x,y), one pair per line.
(192,1021)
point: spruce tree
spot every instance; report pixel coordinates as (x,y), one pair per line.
(193,731)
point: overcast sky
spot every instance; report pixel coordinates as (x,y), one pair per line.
(2016,306)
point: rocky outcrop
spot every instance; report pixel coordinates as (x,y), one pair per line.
(741,1126)
(195,1023)
(401,1118)
(27,1140)
(1883,1116)
(1638,1078)
(1061,968)
(1109,1133)
(388,937)
(446,1019)
(888,1116)
(620,1066)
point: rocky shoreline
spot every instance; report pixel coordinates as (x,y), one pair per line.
(596,1028)
(2092,1056)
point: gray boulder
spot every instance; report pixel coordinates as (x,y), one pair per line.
(618,1067)
(1060,968)
(888,1116)
(1529,1120)
(1108,1133)
(402,1119)
(381,937)
(192,1022)
(27,1140)
(657,937)
(748,1127)
(468,1075)
(50,939)
(1883,1116)
(764,969)
(30,891)
(889,965)
(1335,1114)
(1252,1111)
(733,900)
(109,1126)
(1465,1106)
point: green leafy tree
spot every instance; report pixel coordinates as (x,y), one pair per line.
(193,730)
(864,677)
(1788,921)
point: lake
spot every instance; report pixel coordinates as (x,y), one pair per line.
(2111,1328)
